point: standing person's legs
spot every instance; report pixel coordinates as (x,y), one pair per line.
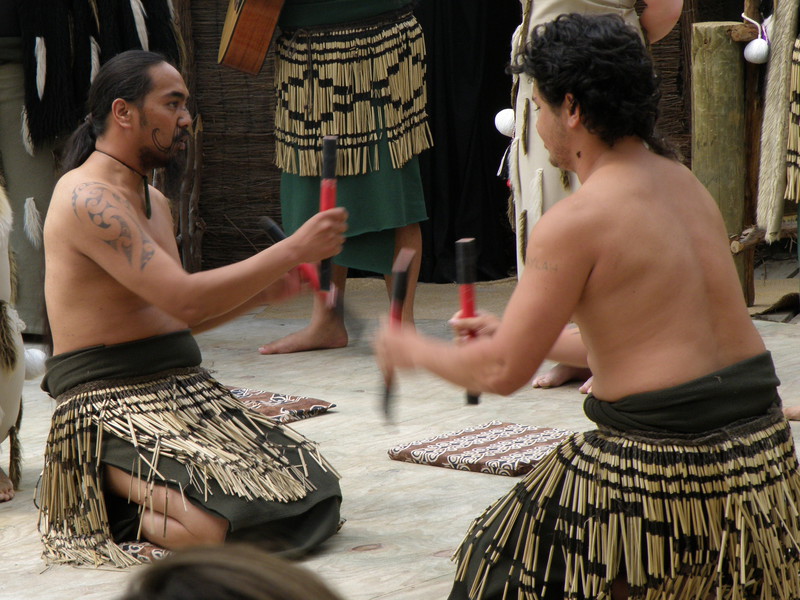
(410,237)
(570,353)
(326,329)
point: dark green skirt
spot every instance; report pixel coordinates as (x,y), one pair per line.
(180,428)
(377,202)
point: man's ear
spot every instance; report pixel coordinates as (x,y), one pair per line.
(121,111)
(572,110)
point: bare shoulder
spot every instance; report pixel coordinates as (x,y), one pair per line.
(97,216)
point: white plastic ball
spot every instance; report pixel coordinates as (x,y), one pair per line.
(757,51)
(34,363)
(504,121)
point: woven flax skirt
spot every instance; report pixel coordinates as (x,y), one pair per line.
(679,517)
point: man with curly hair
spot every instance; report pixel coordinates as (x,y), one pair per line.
(689,484)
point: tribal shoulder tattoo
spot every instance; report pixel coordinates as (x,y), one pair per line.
(106,211)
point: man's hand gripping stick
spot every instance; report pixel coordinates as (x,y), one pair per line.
(465,277)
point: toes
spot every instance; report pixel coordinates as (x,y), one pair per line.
(541,382)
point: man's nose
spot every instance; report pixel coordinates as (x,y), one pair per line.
(185,120)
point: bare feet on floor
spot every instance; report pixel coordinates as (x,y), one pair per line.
(561,374)
(313,337)
(6,487)
(792,413)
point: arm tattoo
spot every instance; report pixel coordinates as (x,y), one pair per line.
(92,200)
(543,265)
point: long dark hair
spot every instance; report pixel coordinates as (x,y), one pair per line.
(126,76)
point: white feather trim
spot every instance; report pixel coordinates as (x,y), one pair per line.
(537,194)
(95,58)
(139,16)
(33,223)
(6,216)
(26,133)
(41,65)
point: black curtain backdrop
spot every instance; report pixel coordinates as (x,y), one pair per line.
(468,44)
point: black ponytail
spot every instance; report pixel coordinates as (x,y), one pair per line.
(79,145)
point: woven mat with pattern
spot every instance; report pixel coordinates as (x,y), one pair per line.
(495,447)
(281,408)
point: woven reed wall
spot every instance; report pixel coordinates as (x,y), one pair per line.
(239,183)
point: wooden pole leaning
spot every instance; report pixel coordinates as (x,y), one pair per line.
(718,124)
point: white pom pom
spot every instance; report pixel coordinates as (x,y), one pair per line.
(757,51)
(504,121)
(34,363)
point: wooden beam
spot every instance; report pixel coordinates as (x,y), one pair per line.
(718,124)
(753,236)
(743,32)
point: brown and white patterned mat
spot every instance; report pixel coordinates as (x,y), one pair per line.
(281,408)
(495,447)
(144,551)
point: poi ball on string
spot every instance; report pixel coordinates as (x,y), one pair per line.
(757,51)
(504,121)
(34,363)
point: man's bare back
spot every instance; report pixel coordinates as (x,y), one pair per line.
(647,219)
(641,232)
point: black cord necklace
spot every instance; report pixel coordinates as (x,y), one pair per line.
(147,211)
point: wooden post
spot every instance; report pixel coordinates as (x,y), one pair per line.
(718,123)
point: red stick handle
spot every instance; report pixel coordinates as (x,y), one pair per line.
(465,277)
(307,271)
(327,194)
(327,200)
(466,292)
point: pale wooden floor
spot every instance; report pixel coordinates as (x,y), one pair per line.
(403,520)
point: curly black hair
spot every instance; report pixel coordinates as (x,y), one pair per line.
(603,63)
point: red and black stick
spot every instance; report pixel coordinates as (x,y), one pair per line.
(307,271)
(327,200)
(465,277)
(399,288)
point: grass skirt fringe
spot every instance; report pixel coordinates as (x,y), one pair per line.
(183,414)
(684,517)
(359,83)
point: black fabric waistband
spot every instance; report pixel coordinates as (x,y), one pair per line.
(740,391)
(130,359)
(393,17)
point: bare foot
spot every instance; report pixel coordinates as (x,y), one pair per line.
(792,413)
(6,487)
(314,337)
(559,375)
(586,388)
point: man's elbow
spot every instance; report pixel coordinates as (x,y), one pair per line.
(191,313)
(503,382)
